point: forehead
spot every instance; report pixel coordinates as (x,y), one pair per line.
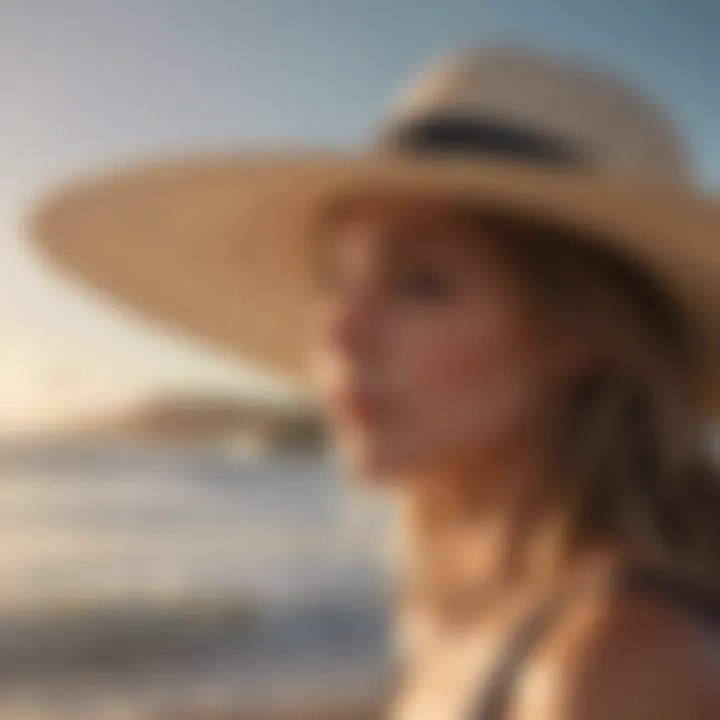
(396,228)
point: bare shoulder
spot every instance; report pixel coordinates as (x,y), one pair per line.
(633,657)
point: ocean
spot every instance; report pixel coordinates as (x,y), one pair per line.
(154,582)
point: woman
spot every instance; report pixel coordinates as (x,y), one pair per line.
(513,302)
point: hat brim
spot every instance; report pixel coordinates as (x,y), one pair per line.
(219,247)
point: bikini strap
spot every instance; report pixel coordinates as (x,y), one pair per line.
(492,702)
(689,596)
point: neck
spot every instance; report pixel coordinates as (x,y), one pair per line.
(464,527)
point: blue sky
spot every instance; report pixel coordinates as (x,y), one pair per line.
(90,82)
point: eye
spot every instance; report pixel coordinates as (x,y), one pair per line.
(424,284)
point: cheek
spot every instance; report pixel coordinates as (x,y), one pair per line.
(471,382)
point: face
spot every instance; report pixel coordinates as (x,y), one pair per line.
(428,355)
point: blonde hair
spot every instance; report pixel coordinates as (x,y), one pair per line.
(633,469)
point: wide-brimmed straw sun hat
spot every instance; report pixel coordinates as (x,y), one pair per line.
(219,245)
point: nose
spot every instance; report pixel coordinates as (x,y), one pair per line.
(352,331)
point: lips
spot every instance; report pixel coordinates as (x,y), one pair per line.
(358,406)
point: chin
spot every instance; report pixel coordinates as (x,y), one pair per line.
(374,464)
